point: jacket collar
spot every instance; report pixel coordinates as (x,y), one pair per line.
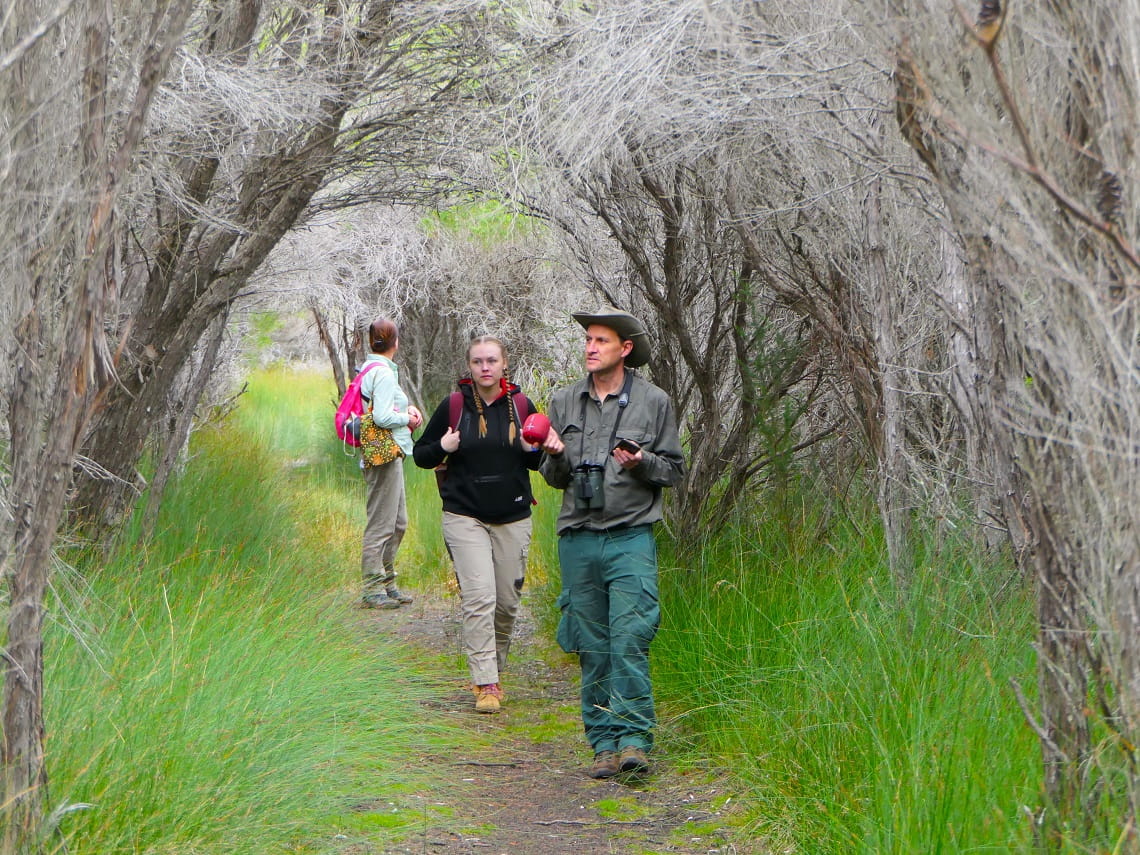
(467,387)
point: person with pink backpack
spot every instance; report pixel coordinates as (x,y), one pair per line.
(386,505)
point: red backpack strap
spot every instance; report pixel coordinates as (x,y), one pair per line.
(454,409)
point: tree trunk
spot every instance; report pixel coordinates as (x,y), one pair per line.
(965,374)
(1062,679)
(894,508)
(330,348)
(1028,472)
(25,776)
(181,319)
(200,245)
(69,175)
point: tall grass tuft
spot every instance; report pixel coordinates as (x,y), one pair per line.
(858,718)
(223,693)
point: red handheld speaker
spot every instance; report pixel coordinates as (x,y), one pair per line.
(535,428)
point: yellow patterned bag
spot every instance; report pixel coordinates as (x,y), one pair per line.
(377,445)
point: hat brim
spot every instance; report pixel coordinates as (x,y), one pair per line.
(627,327)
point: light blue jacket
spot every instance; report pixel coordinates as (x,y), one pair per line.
(381,389)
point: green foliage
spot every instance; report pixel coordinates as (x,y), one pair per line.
(484,221)
(774,371)
(623,809)
(543,578)
(856,718)
(262,325)
(553,725)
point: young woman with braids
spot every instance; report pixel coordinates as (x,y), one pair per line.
(486,508)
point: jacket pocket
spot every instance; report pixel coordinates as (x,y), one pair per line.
(498,493)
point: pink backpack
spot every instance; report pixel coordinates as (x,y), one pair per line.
(351,409)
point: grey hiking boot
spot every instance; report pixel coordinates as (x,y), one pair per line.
(379,600)
(399,596)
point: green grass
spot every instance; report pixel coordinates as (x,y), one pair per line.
(213,689)
(856,719)
(622,809)
(217,691)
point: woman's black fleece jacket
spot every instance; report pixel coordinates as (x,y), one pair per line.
(488,477)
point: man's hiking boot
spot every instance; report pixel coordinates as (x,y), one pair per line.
(379,600)
(488,698)
(633,759)
(399,596)
(606,765)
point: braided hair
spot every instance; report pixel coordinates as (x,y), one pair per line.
(504,385)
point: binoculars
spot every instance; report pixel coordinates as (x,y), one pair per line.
(588,484)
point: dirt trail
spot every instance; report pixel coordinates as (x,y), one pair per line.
(525,791)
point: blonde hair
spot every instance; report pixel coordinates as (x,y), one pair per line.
(487,339)
(513,431)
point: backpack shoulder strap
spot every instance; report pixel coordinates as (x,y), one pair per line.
(360,374)
(358,380)
(454,409)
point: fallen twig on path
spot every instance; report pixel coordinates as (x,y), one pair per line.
(480,763)
(595,822)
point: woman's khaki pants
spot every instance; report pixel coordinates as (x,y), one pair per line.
(490,566)
(387,521)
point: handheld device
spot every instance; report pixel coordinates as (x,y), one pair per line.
(535,428)
(628,445)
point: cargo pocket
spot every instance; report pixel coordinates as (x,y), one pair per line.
(635,614)
(567,635)
(645,618)
(521,580)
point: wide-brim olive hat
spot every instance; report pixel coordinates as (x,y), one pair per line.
(626,326)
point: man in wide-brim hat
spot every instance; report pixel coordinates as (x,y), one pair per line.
(615,447)
(628,329)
